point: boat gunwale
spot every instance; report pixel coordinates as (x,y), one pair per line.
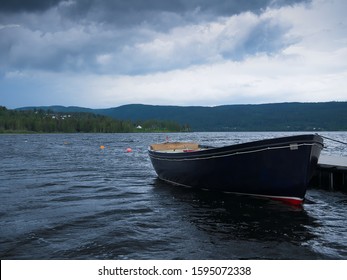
(243,148)
(221,154)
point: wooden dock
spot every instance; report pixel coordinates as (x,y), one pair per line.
(331,173)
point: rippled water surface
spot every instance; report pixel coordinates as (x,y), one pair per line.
(64,197)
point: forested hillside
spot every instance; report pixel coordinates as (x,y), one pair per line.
(328,116)
(325,116)
(47,121)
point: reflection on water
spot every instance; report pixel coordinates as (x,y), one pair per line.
(243,220)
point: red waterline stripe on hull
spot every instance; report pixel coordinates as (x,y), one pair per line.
(287,200)
(291,201)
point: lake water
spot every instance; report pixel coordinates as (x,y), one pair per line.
(64,197)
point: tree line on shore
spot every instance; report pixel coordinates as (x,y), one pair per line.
(321,116)
(46,121)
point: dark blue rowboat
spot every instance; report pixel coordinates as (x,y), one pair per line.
(278,168)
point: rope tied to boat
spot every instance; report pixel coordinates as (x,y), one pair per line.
(331,139)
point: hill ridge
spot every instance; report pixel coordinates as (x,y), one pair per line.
(287,116)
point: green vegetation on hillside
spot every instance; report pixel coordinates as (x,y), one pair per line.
(322,116)
(13,121)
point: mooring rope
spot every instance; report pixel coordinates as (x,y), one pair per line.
(331,139)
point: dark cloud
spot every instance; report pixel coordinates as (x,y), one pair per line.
(154,12)
(265,37)
(26,5)
(119,36)
(221,7)
(125,12)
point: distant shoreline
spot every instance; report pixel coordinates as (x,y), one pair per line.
(47,121)
(295,116)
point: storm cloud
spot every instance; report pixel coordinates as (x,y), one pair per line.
(112,42)
(131,37)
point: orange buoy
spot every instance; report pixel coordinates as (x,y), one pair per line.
(129,150)
(102,147)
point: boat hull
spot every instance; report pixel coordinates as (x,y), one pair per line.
(279,168)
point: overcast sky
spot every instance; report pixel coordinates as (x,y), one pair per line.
(102,54)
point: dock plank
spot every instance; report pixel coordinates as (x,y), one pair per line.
(331,173)
(337,162)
